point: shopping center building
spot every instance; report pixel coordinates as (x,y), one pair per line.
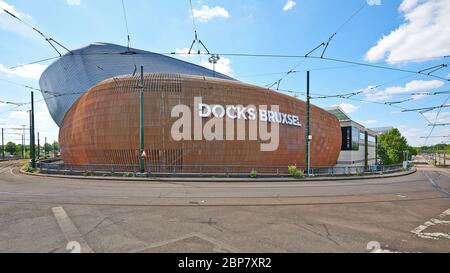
(93,94)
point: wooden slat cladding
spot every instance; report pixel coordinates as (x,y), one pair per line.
(102,127)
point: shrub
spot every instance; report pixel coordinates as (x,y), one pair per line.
(88,174)
(253,174)
(128,174)
(27,168)
(295,172)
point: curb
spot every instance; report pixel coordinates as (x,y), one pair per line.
(213,179)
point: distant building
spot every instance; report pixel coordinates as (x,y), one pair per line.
(358,143)
(382,130)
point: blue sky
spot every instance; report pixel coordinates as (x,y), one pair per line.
(405,34)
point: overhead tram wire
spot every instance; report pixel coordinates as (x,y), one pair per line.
(196,40)
(326,59)
(35,62)
(342,97)
(324,44)
(349,62)
(126,25)
(435,120)
(32,88)
(47,38)
(13,103)
(328,41)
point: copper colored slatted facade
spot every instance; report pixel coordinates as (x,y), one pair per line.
(102,127)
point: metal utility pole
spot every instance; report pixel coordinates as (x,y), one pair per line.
(23,141)
(308,135)
(3,146)
(141,123)
(32,148)
(39,148)
(376,150)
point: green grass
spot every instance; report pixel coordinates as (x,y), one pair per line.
(27,168)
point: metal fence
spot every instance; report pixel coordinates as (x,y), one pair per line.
(11,157)
(206,170)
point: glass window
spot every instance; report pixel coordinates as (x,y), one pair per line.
(350,138)
(355,139)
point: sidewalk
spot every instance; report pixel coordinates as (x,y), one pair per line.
(224,179)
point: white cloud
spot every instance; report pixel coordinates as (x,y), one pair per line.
(183,52)
(73,2)
(412,86)
(21,115)
(289,5)
(347,107)
(373,2)
(223,66)
(424,34)
(412,135)
(8,23)
(42,117)
(407,5)
(9,8)
(370,121)
(444,117)
(31,71)
(43,122)
(206,13)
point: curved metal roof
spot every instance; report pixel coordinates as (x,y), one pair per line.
(72,75)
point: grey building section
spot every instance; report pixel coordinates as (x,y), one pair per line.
(358,143)
(68,78)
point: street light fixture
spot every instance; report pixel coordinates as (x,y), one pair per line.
(213,60)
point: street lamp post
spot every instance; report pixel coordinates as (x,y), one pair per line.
(213,60)
(23,141)
(307,135)
(38,148)
(3,146)
(141,123)
(32,148)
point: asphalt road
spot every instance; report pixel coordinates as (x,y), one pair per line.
(405,214)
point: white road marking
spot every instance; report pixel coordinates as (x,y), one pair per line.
(218,245)
(419,231)
(445,213)
(69,230)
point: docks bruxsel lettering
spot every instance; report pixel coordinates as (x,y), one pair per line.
(246,113)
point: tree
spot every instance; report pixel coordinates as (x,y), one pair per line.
(11,148)
(48,148)
(391,146)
